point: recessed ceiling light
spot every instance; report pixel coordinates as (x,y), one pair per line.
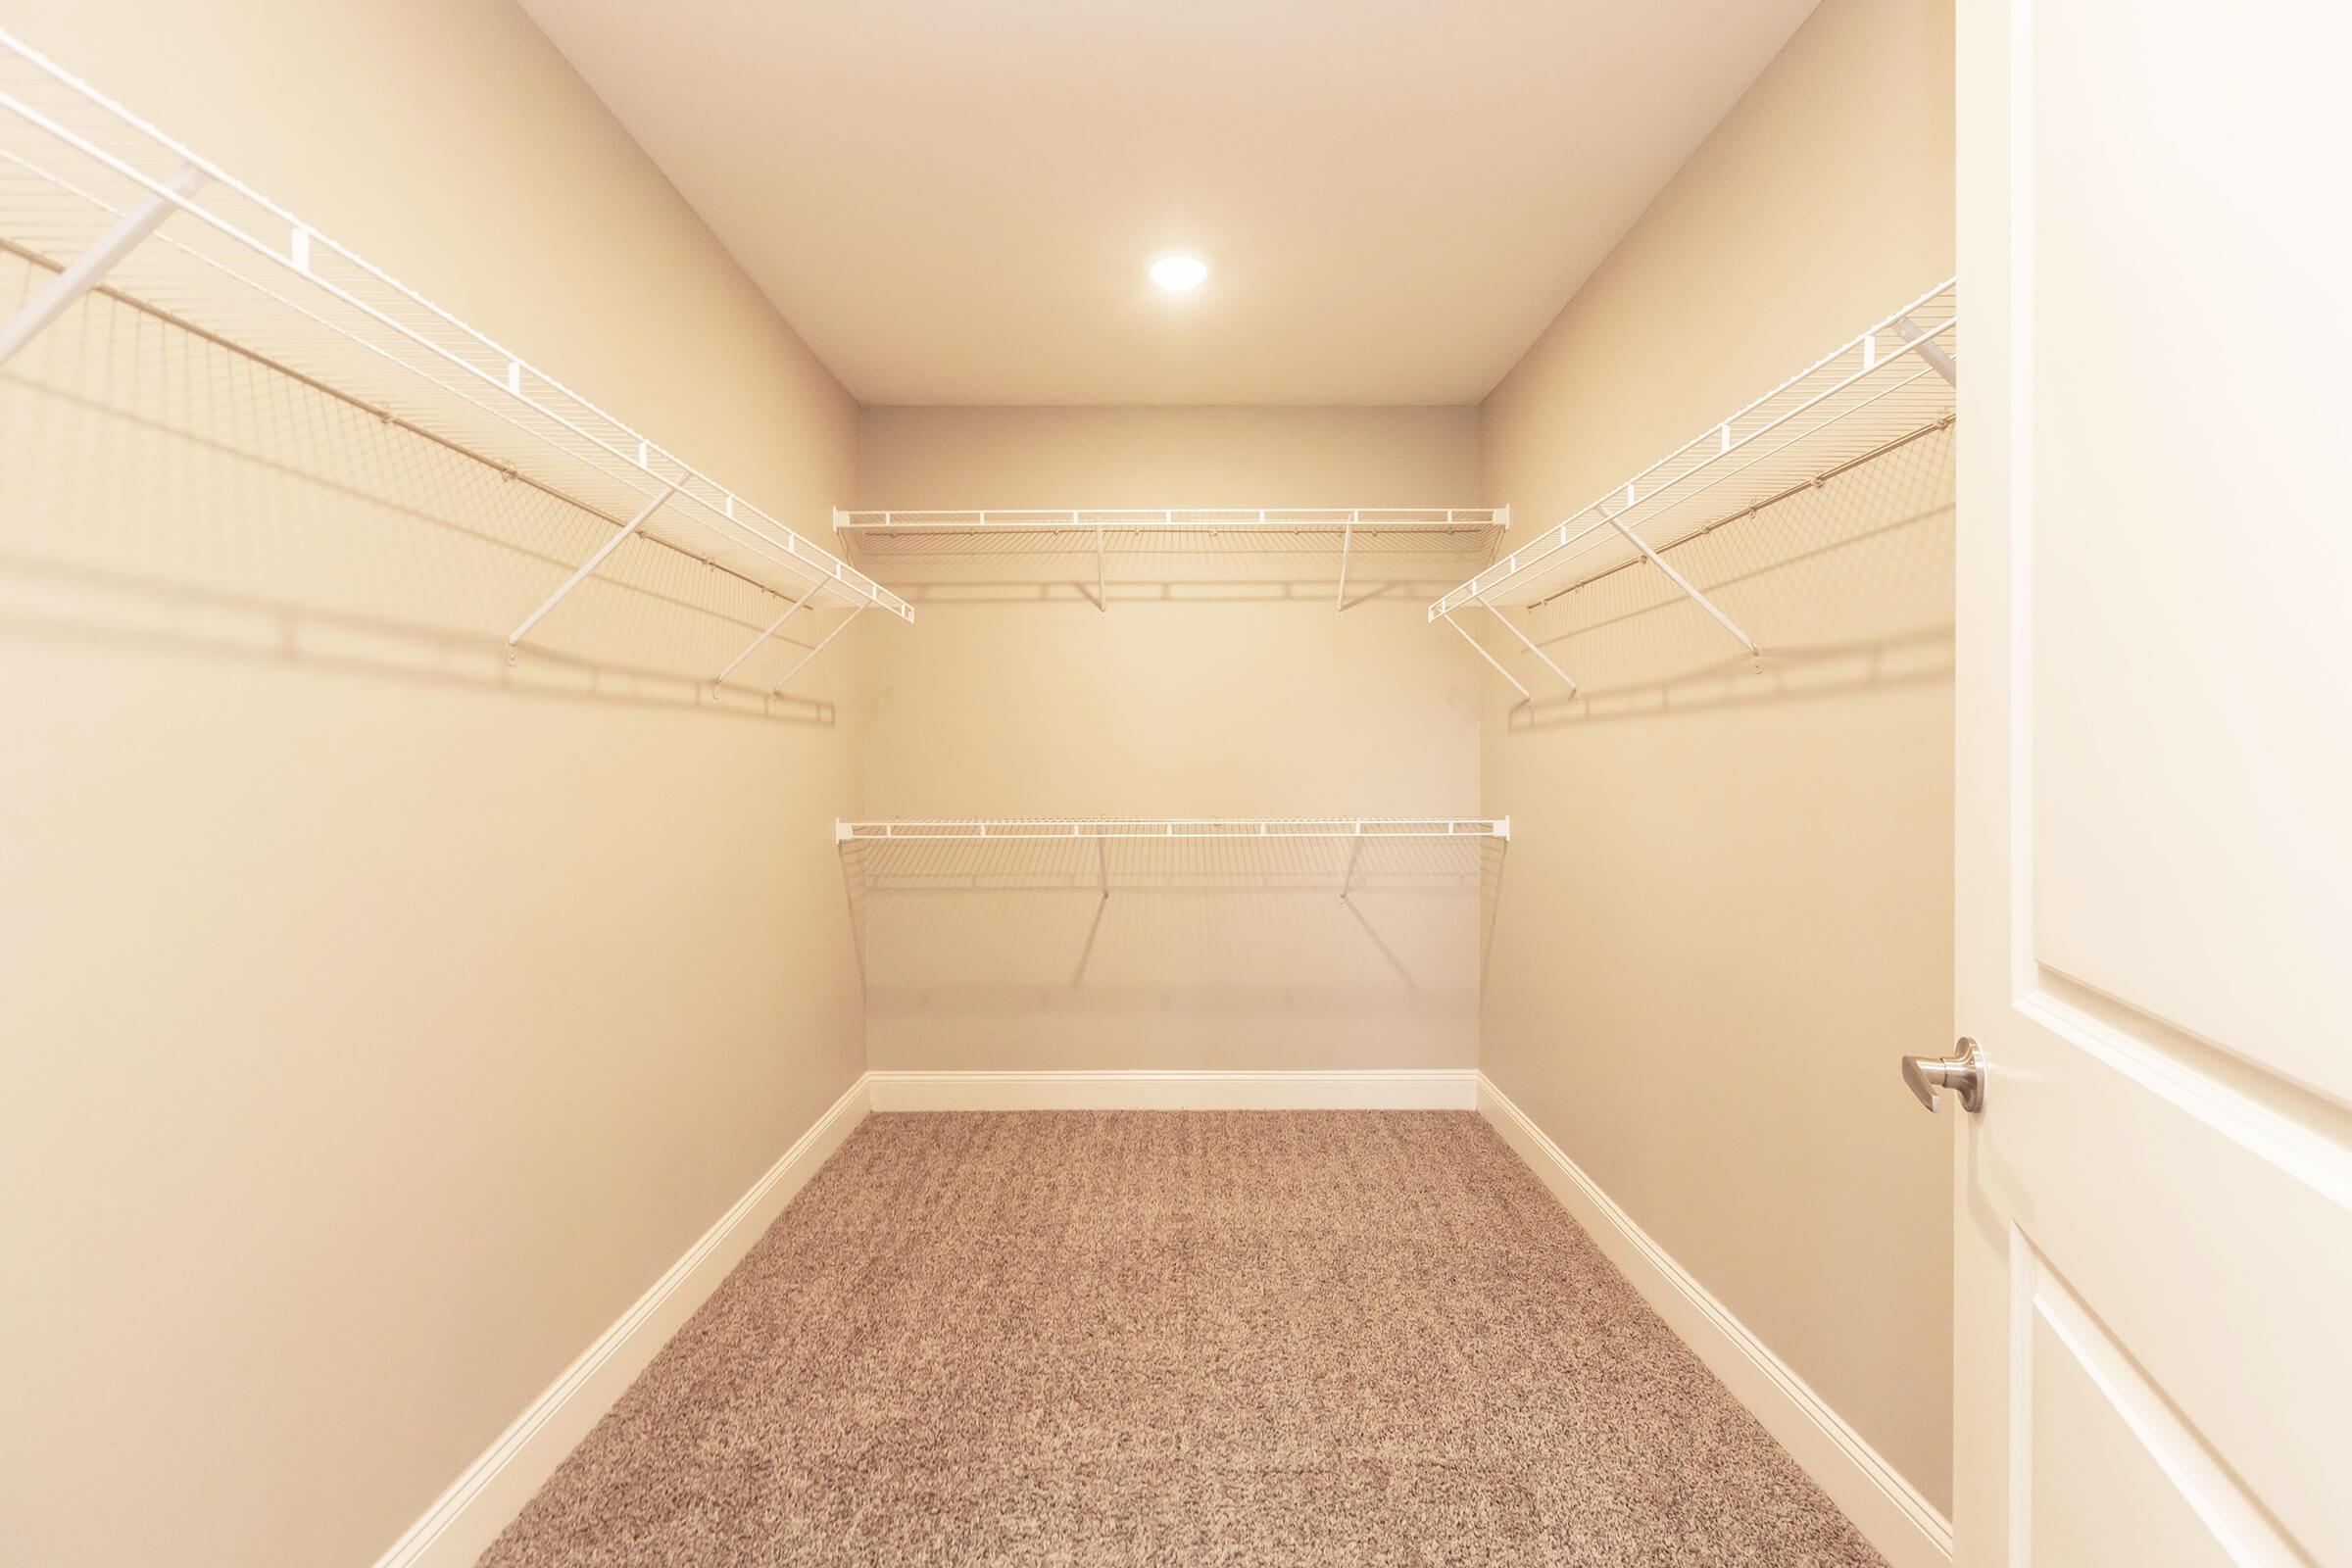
(1179,273)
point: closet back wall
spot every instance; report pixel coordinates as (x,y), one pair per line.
(376,1024)
(1217,699)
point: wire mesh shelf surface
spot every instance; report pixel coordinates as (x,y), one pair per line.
(1880,388)
(1465,535)
(81,178)
(1179,827)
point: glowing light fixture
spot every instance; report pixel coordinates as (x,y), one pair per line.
(1179,275)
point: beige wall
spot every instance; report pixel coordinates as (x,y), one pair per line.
(1729,908)
(1219,683)
(379,1021)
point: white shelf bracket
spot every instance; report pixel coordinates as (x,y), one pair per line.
(1684,583)
(1354,849)
(1489,658)
(90,268)
(1347,543)
(1919,341)
(1102,602)
(814,583)
(589,565)
(1529,643)
(822,644)
(1101,865)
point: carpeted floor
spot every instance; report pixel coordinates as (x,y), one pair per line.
(1323,1338)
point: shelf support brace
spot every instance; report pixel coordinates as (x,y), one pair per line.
(822,644)
(815,584)
(1347,543)
(589,565)
(1102,602)
(1489,658)
(1684,583)
(1916,339)
(1102,866)
(1354,849)
(86,269)
(1529,643)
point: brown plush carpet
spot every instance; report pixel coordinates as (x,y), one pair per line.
(1322,1339)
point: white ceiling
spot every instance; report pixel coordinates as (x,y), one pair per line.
(954,201)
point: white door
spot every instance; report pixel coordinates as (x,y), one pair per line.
(2155,782)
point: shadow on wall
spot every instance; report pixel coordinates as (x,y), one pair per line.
(1845,585)
(1202,928)
(159,486)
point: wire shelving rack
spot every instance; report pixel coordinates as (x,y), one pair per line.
(1344,536)
(104,199)
(1223,834)
(1893,381)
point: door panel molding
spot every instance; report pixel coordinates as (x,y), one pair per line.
(2121,1036)
(2220,1498)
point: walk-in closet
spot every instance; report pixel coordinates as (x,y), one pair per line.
(907,783)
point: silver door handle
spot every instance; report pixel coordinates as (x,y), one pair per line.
(1963,1075)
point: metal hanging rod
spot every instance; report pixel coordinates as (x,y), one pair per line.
(1882,388)
(111,202)
(934,829)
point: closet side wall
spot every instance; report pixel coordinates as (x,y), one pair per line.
(1729,908)
(1218,683)
(379,1021)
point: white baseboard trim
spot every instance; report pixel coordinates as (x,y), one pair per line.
(1390,1088)
(483,1501)
(1906,1528)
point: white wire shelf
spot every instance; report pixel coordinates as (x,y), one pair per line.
(87,188)
(1332,524)
(1891,382)
(1225,853)
(1108,544)
(1173,828)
